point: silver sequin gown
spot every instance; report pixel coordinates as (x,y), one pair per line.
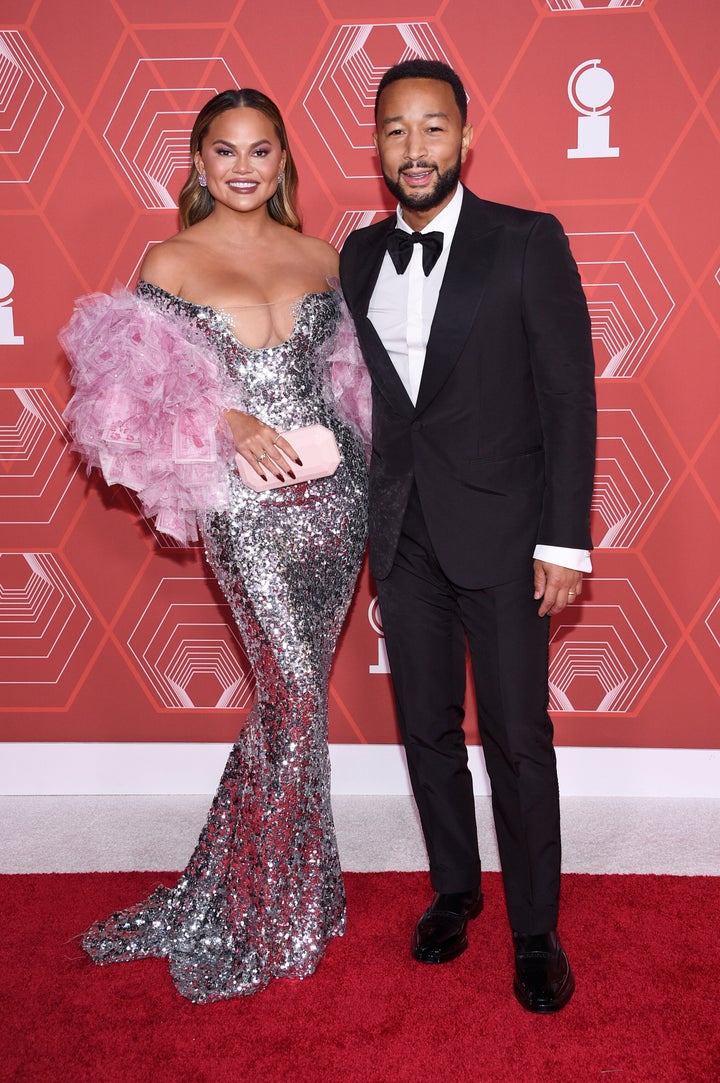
(263,891)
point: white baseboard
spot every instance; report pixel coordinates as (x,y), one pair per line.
(114,768)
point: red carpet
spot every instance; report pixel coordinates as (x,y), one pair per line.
(644,950)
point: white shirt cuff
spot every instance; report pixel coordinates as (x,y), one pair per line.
(577,559)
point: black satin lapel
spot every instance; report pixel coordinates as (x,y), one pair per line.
(368,261)
(469,266)
(382,370)
(366,270)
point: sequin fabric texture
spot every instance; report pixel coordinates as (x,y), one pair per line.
(263,893)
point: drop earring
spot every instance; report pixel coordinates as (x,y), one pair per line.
(202,180)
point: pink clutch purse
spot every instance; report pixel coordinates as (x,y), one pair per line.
(317,449)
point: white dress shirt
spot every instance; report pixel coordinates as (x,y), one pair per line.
(402,309)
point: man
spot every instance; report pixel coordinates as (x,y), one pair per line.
(475,329)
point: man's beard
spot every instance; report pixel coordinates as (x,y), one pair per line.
(445,185)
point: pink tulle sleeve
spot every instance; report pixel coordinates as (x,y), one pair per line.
(349,379)
(147,407)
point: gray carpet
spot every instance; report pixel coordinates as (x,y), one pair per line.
(600,835)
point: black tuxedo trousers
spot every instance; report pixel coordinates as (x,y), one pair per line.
(427,620)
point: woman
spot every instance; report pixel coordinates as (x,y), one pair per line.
(263,891)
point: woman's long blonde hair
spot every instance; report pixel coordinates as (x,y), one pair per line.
(196,203)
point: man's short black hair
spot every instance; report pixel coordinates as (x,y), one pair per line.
(425,69)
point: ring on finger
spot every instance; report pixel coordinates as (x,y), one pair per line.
(263,456)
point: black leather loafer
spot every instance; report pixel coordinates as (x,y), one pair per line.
(441,933)
(543,981)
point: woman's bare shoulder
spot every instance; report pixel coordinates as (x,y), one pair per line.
(166,263)
(322,254)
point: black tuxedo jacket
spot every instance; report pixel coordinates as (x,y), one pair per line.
(501,443)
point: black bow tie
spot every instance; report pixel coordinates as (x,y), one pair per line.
(400,246)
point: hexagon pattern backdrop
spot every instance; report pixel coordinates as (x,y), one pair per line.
(605,112)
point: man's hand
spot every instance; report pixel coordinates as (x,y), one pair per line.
(556,586)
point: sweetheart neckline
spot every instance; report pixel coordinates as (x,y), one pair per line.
(225,318)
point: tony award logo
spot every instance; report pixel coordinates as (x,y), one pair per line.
(382,665)
(7,329)
(590,89)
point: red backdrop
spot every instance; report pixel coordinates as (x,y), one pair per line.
(602,111)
